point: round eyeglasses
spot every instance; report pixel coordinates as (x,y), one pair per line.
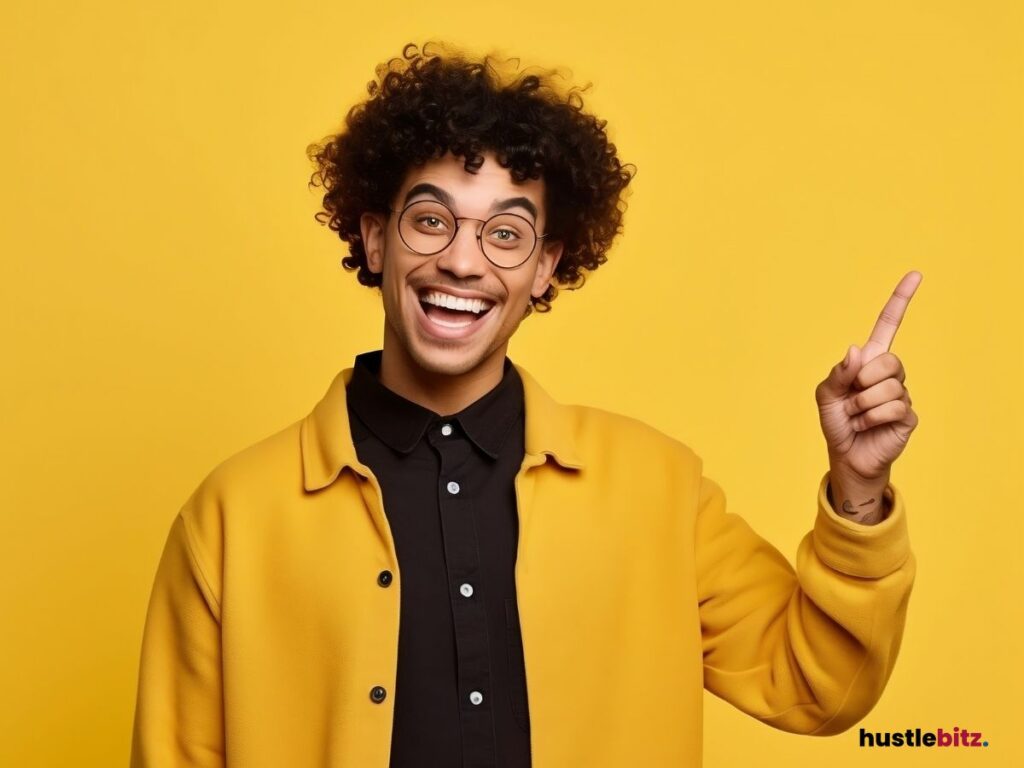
(429,226)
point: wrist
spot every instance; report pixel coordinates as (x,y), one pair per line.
(857,499)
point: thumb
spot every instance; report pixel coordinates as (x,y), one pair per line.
(844,372)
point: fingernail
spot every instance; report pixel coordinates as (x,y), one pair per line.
(846,360)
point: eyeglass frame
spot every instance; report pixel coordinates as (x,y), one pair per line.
(479,236)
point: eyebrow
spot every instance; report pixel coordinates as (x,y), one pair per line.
(424,188)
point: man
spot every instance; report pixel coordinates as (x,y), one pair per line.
(442,566)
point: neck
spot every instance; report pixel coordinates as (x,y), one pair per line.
(442,393)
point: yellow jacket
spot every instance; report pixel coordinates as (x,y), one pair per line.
(267,628)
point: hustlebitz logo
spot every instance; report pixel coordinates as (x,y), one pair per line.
(915,737)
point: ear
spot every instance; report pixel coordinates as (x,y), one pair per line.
(372,227)
(547,262)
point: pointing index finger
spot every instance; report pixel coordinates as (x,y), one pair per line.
(892,314)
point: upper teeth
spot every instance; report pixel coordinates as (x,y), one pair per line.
(440,299)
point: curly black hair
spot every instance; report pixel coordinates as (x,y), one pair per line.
(436,100)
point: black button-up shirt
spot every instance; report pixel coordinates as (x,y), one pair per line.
(449,496)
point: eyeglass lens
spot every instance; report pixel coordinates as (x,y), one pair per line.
(427,227)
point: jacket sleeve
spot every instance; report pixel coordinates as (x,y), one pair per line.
(179,708)
(806,650)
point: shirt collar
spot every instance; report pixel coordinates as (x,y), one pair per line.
(400,423)
(325,435)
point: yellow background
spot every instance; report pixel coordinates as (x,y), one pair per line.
(168,299)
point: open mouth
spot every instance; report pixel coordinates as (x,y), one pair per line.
(450,316)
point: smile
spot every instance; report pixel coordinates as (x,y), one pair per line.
(446,316)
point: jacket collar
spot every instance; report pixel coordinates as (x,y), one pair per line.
(325,435)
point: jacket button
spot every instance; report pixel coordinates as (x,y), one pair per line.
(384,578)
(377,694)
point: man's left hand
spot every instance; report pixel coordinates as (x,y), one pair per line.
(866,414)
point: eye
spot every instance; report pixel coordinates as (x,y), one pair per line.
(510,235)
(429,218)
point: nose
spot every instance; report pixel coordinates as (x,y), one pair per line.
(463,256)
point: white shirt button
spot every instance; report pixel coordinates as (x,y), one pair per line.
(453,487)
(466,589)
(476,697)
(446,430)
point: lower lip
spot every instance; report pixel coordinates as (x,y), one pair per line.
(443,331)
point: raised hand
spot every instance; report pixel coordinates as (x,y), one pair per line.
(865,407)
